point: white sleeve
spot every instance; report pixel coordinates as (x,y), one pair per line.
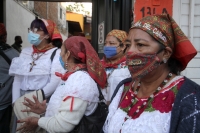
(54,80)
(16,88)
(51,86)
(64,120)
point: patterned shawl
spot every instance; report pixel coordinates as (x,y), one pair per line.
(165,30)
(82,50)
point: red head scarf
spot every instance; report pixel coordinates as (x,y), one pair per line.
(82,50)
(120,34)
(3,33)
(52,29)
(165,30)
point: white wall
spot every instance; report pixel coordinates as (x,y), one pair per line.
(187,14)
(63,20)
(64,37)
(18,20)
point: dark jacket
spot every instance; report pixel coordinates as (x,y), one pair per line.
(186,110)
(18,47)
(5,79)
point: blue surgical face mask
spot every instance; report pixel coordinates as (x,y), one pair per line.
(62,62)
(110,51)
(34,38)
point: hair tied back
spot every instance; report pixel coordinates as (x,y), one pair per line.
(82,56)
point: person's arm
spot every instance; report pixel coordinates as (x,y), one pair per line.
(65,120)
(16,88)
(54,80)
(51,86)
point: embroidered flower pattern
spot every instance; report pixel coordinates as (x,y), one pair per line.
(162,102)
(123,65)
(127,98)
(137,107)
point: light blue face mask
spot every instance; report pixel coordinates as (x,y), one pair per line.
(110,51)
(62,62)
(34,38)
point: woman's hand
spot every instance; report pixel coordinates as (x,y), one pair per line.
(29,125)
(35,107)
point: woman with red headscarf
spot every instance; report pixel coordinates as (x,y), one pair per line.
(158,99)
(35,68)
(77,94)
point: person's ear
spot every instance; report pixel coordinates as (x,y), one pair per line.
(67,55)
(167,54)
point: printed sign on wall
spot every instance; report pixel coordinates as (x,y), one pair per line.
(100,37)
(144,8)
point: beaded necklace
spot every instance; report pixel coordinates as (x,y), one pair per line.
(134,95)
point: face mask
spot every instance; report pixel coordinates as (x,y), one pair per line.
(140,65)
(34,38)
(110,51)
(62,62)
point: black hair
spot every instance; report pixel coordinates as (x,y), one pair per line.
(76,61)
(174,65)
(120,42)
(57,43)
(17,38)
(39,24)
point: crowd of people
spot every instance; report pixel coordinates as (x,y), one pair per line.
(53,84)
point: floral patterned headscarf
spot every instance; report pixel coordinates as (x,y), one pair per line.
(52,29)
(165,30)
(120,34)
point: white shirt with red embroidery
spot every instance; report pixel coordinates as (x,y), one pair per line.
(114,76)
(79,85)
(148,122)
(73,98)
(42,75)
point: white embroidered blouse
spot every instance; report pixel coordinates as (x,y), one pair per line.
(79,85)
(59,117)
(42,75)
(115,76)
(148,122)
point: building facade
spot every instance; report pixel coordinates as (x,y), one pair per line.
(17,16)
(113,14)
(187,15)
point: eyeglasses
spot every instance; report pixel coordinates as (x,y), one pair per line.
(34,30)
